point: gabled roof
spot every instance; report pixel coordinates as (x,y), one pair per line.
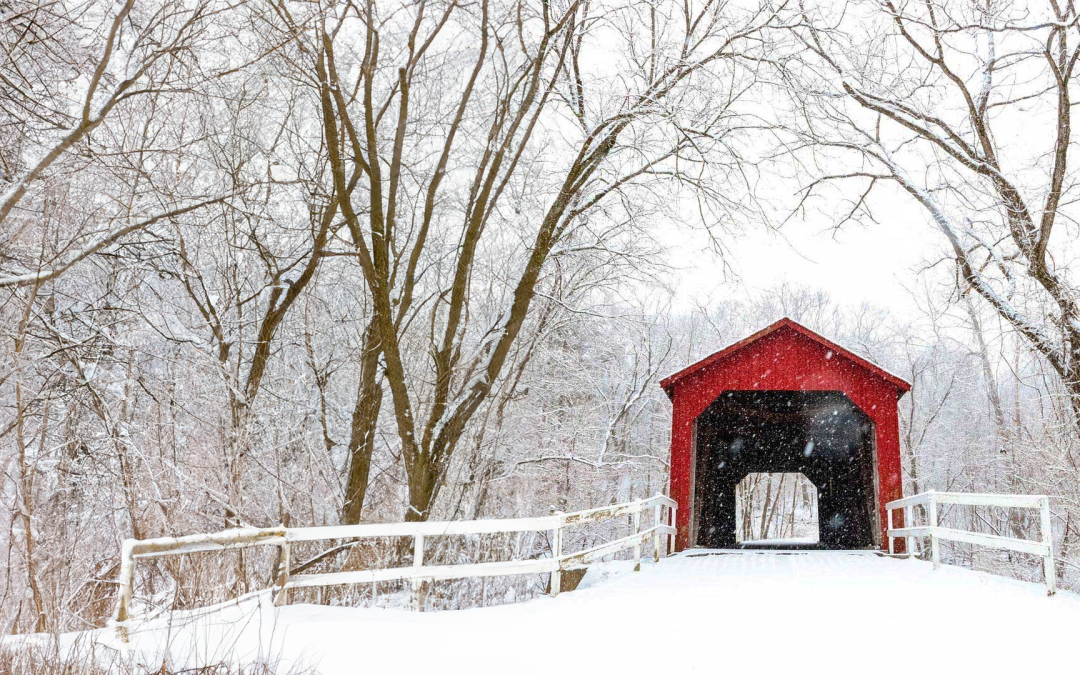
(668,383)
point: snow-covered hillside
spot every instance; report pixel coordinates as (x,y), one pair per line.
(739,613)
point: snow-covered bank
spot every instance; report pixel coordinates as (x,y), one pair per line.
(751,612)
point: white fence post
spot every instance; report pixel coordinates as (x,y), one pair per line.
(1048,540)
(637,542)
(932,516)
(556,553)
(283,576)
(418,562)
(909,521)
(657,522)
(671,537)
(888,530)
(127,580)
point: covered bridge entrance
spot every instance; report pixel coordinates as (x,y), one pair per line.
(785,400)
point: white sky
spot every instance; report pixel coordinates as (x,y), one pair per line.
(878,263)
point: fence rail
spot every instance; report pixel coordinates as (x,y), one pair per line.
(1044,547)
(559,562)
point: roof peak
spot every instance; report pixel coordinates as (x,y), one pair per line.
(669,382)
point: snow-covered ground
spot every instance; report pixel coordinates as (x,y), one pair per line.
(760,612)
(780,543)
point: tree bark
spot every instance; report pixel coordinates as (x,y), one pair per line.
(364,421)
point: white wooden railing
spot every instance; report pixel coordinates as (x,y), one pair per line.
(930,501)
(418,573)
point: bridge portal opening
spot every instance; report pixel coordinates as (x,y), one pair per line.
(819,434)
(776,509)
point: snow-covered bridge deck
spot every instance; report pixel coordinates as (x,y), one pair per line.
(750,612)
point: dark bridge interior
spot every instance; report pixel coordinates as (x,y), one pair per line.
(818,433)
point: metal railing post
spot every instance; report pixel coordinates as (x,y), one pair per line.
(932,516)
(418,562)
(657,522)
(1047,532)
(556,554)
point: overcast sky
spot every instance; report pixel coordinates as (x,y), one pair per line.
(876,263)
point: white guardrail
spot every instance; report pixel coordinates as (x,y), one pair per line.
(418,573)
(930,502)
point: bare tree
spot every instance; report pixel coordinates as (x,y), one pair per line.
(422,270)
(942,101)
(65,75)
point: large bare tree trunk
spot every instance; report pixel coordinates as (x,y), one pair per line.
(365,419)
(26,470)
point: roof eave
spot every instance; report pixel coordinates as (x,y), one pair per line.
(669,383)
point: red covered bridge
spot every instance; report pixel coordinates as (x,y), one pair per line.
(785,399)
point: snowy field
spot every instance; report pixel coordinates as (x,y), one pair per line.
(734,613)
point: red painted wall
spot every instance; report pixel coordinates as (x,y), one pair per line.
(785,359)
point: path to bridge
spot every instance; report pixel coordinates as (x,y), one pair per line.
(734,613)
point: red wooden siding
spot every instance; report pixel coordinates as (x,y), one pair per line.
(786,356)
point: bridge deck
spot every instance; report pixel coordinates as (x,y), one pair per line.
(695,612)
